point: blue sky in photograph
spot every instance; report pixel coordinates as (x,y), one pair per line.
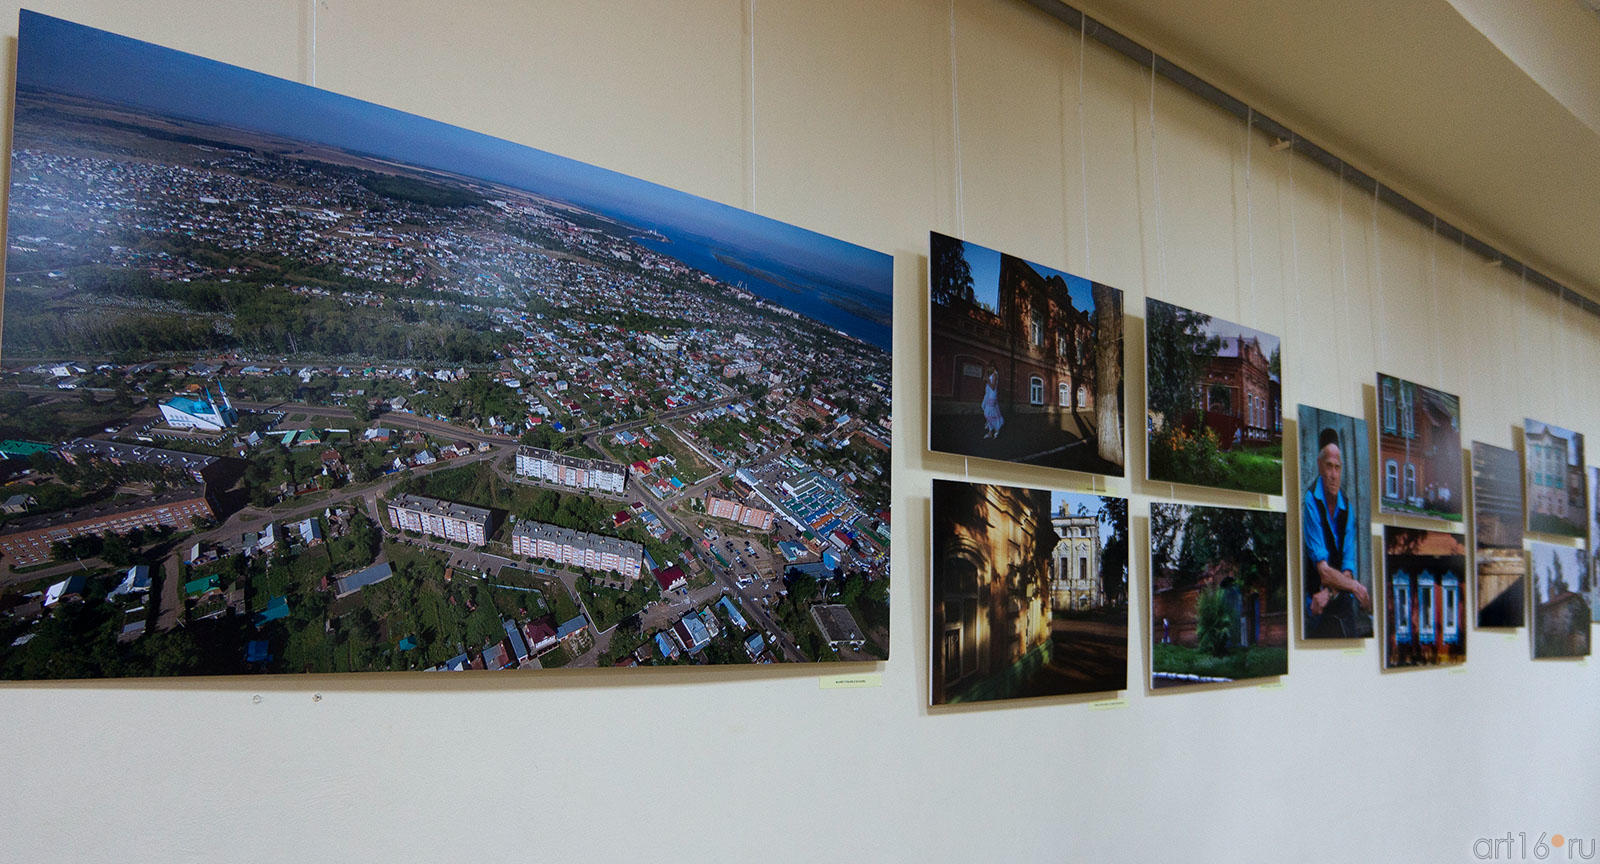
(1544,556)
(985,266)
(1090,504)
(1219,327)
(61,56)
(1573,439)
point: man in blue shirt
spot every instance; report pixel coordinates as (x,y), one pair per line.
(1334,596)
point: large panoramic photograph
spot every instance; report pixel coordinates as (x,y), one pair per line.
(297,383)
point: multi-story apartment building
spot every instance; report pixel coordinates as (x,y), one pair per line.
(572,471)
(578,548)
(459,522)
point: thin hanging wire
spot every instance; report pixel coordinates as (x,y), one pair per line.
(955,124)
(314,42)
(1433,291)
(1249,221)
(1155,179)
(1377,282)
(1083,146)
(1566,353)
(1294,277)
(1522,317)
(1344,252)
(750,97)
(1161,241)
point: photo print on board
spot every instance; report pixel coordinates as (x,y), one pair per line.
(1029,593)
(419,398)
(1497,536)
(1218,594)
(1419,451)
(1561,590)
(1594,538)
(1025,362)
(1554,474)
(1425,597)
(1213,401)
(1335,526)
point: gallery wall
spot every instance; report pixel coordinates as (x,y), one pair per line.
(986,120)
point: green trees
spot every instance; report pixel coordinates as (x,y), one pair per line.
(1114,557)
(952,275)
(1178,348)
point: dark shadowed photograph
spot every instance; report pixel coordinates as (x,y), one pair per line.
(1497,536)
(1218,594)
(1594,538)
(1561,590)
(1030,593)
(1426,603)
(1025,362)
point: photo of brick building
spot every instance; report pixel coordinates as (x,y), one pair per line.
(1419,450)
(1025,361)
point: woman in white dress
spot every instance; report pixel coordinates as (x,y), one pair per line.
(992,421)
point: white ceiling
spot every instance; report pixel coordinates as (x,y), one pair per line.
(1486,112)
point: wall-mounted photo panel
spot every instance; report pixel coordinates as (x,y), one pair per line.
(1594,542)
(1554,476)
(1218,594)
(1213,402)
(1497,536)
(393,395)
(1561,588)
(1419,451)
(1029,593)
(1425,615)
(1025,362)
(1336,593)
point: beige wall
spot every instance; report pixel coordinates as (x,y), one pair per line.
(874,122)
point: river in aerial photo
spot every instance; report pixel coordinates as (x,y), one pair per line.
(857,310)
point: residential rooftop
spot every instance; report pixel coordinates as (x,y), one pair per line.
(440,507)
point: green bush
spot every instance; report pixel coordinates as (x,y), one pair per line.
(1181,456)
(1214,623)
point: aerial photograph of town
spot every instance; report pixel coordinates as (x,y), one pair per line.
(291,382)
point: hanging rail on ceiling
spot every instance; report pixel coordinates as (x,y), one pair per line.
(1099,32)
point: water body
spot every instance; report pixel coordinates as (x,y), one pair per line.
(779,283)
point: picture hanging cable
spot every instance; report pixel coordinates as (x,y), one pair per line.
(1142,55)
(1344,256)
(1155,183)
(1522,316)
(314,42)
(1433,292)
(1249,224)
(1083,152)
(750,98)
(1377,282)
(955,127)
(1294,281)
